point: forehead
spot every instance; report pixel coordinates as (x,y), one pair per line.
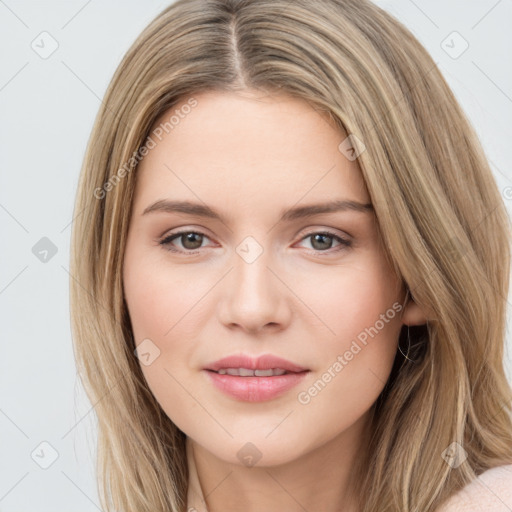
(247,148)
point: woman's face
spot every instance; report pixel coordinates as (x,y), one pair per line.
(267,274)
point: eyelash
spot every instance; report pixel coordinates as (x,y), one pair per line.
(344,244)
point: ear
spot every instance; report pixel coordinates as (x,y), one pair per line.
(413,314)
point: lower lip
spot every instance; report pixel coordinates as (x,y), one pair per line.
(255,389)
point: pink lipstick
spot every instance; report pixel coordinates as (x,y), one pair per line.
(255,379)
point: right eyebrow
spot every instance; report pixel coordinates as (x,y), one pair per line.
(187,207)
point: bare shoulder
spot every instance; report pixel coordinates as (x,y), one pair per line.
(491,491)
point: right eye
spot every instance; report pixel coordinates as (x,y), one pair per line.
(190,241)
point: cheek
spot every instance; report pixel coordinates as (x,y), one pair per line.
(166,306)
(360,316)
(158,305)
(350,299)
(158,295)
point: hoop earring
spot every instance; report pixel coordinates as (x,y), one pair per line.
(408,348)
(406,297)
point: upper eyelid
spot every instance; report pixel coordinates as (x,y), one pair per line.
(311,231)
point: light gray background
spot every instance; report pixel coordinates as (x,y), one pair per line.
(47,110)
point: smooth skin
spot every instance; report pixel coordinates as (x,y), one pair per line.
(250,156)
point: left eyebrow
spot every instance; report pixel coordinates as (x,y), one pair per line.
(298,212)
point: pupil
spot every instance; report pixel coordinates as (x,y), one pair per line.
(320,236)
(189,237)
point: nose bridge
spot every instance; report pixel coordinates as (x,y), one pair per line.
(252,278)
(253,296)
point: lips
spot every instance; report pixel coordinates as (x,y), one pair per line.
(250,379)
(263,362)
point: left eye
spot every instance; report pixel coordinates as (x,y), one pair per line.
(323,239)
(192,240)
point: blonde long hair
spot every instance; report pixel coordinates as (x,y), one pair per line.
(440,214)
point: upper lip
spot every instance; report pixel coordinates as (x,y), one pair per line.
(263,362)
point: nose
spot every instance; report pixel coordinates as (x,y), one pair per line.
(254,297)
